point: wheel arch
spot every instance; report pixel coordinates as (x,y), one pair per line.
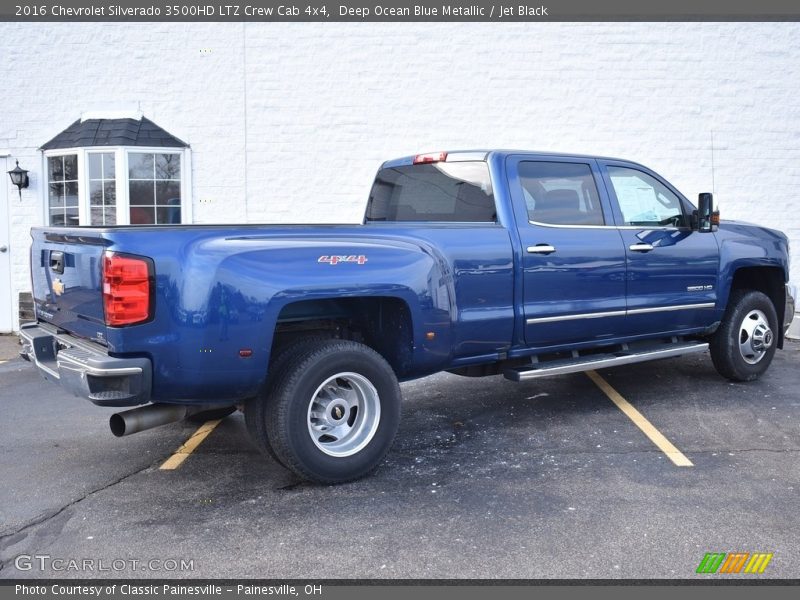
(385,323)
(767,279)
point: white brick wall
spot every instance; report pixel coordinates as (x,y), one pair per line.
(301,115)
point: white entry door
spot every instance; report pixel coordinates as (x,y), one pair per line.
(6,313)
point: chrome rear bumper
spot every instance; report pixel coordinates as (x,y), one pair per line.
(85,368)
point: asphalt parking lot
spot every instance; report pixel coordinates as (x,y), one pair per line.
(487,479)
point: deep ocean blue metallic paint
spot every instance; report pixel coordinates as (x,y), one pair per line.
(473,286)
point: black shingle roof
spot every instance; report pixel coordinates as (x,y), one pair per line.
(114,132)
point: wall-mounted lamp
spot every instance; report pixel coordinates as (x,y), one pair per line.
(19,177)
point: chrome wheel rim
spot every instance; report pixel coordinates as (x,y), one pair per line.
(755,337)
(344,414)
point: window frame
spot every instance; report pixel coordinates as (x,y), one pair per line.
(88,207)
(141,150)
(45,195)
(122,182)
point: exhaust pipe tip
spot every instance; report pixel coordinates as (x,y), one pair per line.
(145,417)
(117,424)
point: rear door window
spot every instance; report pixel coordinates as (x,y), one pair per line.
(439,192)
(560,193)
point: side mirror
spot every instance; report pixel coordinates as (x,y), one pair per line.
(704,215)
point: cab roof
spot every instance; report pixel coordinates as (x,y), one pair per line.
(483,155)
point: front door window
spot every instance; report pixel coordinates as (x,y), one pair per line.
(643,200)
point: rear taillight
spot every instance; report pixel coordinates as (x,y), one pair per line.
(126,289)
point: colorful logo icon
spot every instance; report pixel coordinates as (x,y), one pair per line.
(734,562)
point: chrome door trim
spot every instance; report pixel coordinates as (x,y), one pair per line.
(654,309)
(619,313)
(596,315)
(625,227)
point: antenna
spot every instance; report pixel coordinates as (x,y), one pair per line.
(713,190)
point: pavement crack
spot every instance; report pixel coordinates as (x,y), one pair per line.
(657,451)
(8,537)
(292,485)
(743,450)
(546,452)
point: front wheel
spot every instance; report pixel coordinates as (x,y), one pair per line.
(743,346)
(333,413)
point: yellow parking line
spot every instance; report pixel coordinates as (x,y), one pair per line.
(182,453)
(675,455)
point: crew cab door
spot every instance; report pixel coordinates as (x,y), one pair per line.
(671,269)
(573,258)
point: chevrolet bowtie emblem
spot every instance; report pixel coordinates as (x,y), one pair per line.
(58,287)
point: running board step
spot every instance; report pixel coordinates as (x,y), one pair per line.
(602,361)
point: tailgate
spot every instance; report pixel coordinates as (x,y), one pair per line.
(66,272)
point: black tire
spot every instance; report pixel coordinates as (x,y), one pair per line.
(726,355)
(255,409)
(211,414)
(286,415)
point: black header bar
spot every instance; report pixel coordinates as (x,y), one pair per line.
(356,11)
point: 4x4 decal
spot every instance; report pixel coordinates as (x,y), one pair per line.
(335,259)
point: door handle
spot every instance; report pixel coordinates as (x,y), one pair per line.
(641,247)
(541,249)
(3,249)
(57,261)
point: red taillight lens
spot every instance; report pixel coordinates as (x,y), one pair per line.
(126,289)
(421,159)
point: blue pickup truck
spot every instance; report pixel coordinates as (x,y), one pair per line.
(478,263)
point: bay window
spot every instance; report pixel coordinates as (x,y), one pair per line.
(103,186)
